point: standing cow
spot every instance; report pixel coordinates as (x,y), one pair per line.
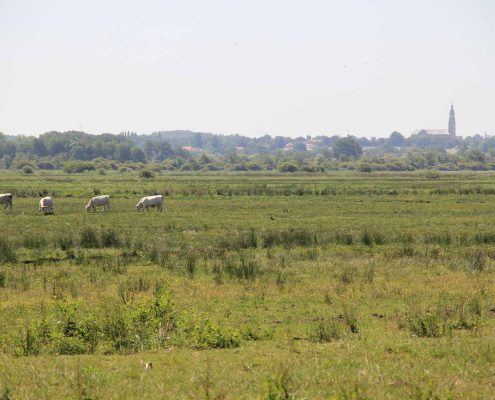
(46,205)
(99,201)
(6,199)
(150,201)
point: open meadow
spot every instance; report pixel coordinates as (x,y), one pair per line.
(335,286)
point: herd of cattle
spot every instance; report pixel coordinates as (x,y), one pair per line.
(46,203)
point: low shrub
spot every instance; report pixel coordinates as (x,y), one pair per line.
(72,167)
(70,346)
(248,268)
(7,252)
(327,330)
(34,242)
(343,238)
(426,324)
(109,238)
(204,334)
(372,238)
(89,238)
(476,261)
(146,174)
(289,237)
(279,387)
(126,328)
(243,240)
(64,242)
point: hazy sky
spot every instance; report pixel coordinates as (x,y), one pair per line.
(249,67)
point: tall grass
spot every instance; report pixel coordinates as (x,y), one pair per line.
(7,252)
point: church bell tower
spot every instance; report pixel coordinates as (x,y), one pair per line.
(452,120)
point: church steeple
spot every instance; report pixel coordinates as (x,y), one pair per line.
(452,120)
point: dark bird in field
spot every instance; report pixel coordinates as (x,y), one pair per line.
(271,218)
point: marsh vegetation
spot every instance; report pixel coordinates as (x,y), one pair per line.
(342,286)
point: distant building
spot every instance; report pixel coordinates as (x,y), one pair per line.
(311,144)
(430,132)
(452,120)
(289,146)
(450,131)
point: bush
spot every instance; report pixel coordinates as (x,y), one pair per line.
(364,168)
(344,238)
(204,334)
(349,318)
(371,238)
(146,174)
(109,238)
(65,242)
(27,169)
(426,324)
(248,267)
(34,242)
(327,331)
(7,253)
(288,168)
(70,345)
(280,387)
(476,261)
(289,237)
(46,165)
(72,167)
(20,164)
(243,240)
(89,239)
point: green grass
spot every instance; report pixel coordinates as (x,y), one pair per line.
(341,286)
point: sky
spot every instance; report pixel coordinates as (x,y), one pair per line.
(291,68)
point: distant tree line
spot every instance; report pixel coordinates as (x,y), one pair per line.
(194,151)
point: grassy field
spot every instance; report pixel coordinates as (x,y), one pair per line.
(339,286)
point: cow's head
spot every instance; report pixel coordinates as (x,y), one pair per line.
(139,206)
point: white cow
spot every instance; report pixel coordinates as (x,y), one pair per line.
(150,201)
(46,205)
(99,201)
(6,198)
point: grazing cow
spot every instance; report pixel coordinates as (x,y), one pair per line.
(150,201)
(6,199)
(46,205)
(99,201)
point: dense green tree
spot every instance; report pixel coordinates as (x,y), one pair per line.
(396,139)
(123,152)
(198,141)
(347,147)
(137,155)
(299,146)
